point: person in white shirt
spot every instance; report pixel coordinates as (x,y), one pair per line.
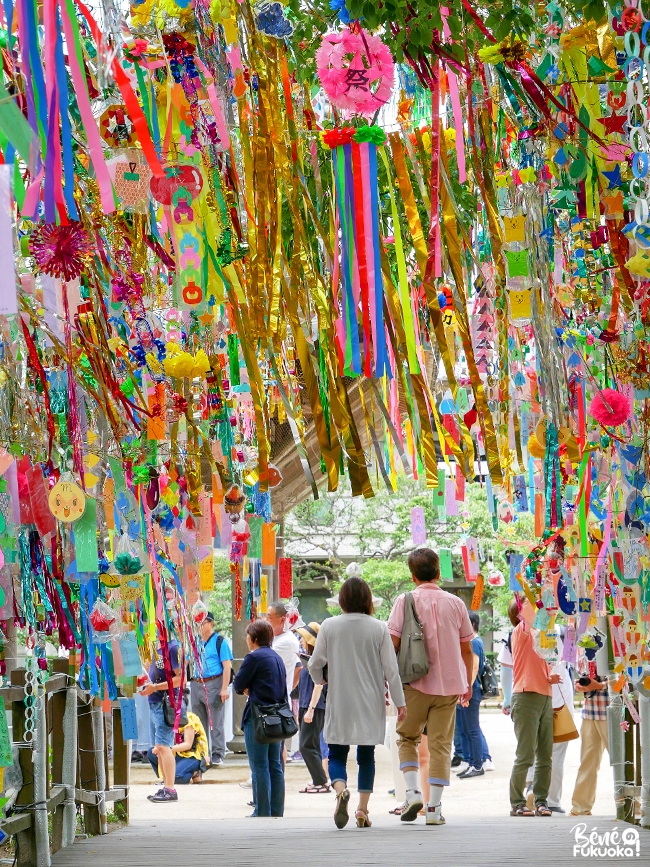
(285,644)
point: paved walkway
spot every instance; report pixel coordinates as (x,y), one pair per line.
(206,827)
(314,842)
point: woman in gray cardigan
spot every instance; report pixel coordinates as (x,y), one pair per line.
(354,654)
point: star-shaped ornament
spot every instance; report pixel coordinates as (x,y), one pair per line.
(614,178)
(614,123)
(206,318)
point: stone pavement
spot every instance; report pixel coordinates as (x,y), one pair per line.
(207,825)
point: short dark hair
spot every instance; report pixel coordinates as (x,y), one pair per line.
(355,596)
(424,564)
(261,632)
(475,620)
(279,609)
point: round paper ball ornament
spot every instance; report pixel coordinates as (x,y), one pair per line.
(356,71)
(610,408)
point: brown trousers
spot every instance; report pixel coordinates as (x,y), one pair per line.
(438,714)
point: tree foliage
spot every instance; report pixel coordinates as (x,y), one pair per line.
(323,535)
(220,599)
(413,29)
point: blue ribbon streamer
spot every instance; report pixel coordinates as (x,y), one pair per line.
(352,314)
(88,672)
(8,7)
(66,130)
(36,67)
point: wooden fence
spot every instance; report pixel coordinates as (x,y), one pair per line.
(21,824)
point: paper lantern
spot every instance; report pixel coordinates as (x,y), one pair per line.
(356,71)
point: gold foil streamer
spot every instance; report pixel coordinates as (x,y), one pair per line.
(257,390)
(464,455)
(486,180)
(453,247)
(297,430)
(372,434)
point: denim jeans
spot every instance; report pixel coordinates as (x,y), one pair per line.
(160,733)
(472,732)
(185,767)
(338,758)
(267,774)
(461,744)
(461,747)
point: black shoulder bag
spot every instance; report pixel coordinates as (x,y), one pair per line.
(169,712)
(273,722)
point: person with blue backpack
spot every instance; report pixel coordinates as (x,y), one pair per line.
(209,692)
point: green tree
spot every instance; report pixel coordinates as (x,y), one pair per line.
(377,532)
(220,599)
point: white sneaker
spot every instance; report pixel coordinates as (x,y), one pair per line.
(462,767)
(248,784)
(434,815)
(413,805)
(488,765)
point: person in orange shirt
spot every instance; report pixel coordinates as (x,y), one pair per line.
(532,715)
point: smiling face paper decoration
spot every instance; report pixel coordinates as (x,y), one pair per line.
(67,501)
(519,303)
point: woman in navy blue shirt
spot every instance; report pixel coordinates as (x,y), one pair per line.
(263,678)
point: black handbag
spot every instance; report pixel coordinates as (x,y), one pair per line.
(169,712)
(273,722)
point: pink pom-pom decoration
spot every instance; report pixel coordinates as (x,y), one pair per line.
(61,251)
(610,408)
(356,71)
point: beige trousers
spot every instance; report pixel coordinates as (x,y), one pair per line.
(438,714)
(593,742)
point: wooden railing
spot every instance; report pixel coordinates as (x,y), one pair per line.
(21,823)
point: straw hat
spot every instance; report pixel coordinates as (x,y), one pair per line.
(309,633)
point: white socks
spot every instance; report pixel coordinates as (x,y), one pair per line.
(412,780)
(435,795)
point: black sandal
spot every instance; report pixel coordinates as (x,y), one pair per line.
(543,810)
(522,810)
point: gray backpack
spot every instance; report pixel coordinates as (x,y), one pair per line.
(412,657)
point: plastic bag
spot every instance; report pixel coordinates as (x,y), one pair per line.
(130,558)
(199,612)
(103,621)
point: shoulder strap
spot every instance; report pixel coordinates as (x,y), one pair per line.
(220,640)
(411,601)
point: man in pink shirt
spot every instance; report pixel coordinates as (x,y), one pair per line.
(431,700)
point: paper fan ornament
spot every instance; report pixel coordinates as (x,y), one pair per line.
(356,71)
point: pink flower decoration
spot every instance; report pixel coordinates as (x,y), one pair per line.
(356,71)
(61,251)
(610,407)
